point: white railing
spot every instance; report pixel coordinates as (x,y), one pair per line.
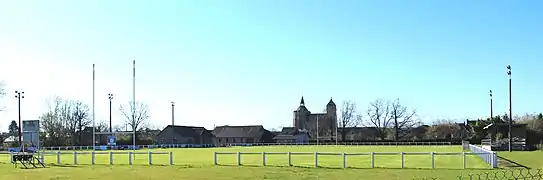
(488,156)
(343,155)
(59,148)
(41,156)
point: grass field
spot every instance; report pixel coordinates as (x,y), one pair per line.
(198,164)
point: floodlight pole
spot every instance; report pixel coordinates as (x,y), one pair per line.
(173,113)
(93,111)
(19,95)
(110,97)
(134,105)
(510,108)
(491,110)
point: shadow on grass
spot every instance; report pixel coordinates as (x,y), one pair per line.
(119,165)
(510,163)
(348,167)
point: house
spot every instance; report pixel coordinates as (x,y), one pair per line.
(185,135)
(289,135)
(243,134)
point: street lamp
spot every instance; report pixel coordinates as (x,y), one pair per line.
(110,97)
(173,112)
(510,108)
(491,112)
(19,95)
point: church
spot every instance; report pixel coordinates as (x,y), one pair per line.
(324,123)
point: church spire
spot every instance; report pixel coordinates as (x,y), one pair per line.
(331,103)
(302,103)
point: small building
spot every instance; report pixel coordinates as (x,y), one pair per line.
(242,134)
(288,135)
(185,135)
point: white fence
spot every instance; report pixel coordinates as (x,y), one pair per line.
(260,144)
(345,155)
(41,156)
(490,157)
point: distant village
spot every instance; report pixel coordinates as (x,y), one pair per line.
(306,127)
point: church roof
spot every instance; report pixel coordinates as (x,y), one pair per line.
(331,102)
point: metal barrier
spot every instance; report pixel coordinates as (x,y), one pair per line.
(344,156)
(488,156)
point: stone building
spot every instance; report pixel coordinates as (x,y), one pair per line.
(326,122)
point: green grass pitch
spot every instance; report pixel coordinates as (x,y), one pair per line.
(197,163)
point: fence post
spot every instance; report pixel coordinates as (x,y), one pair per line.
(316,159)
(215,158)
(344,160)
(433,160)
(58,157)
(11,157)
(239,158)
(289,159)
(129,157)
(464,159)
(372,160)
(75,157)
(494,160)
(92,157)
(150,158)
(264,158)
(171,158)
(110,157)
(401,154)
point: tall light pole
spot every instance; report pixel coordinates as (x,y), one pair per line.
(110,97)
(173,113)
(491,110)
(19,95)
(510,108)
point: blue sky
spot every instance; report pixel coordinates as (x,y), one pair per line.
(248,62)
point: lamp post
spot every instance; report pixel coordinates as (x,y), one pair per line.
(110,97)
(510,108)
(173,112)
(491,109)
(19,95)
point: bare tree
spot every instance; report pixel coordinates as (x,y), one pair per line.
(135,115)
(80,114)
(349,117)
(102,126)
(379,116)
(51,122)
(2,94)
(402,119)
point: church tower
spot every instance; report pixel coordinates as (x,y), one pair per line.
(331,114)
(301,116)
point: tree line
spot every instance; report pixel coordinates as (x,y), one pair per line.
(390,118)
(64,121)
(397,122)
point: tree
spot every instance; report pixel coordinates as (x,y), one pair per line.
(445,129)
(52,124)
(136,115)
(2,94)
(402,119)
(349,117)
(13,129)
(379,116)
